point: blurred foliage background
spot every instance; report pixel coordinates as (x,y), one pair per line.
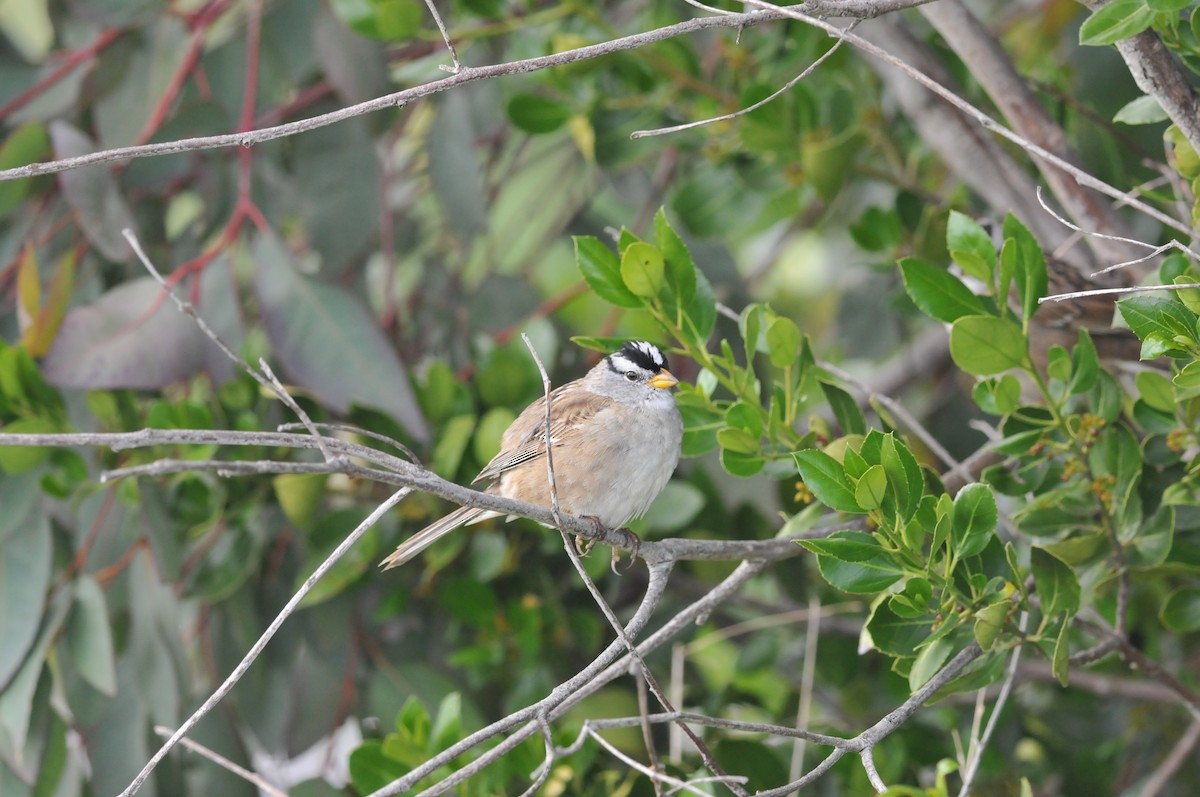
(387,264)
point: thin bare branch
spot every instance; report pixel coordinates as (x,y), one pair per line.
(659,777)
(262,783)
(808,673)
(748,109)
(456,66)
(1154,250)
(979,743)
(251,655)
(1081,176)
(466,74)
(1062,297)
(266,378)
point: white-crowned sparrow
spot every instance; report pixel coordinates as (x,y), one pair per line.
(616,435)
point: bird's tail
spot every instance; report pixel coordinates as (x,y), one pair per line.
(432,533)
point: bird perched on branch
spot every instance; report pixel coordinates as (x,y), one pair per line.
(615,436)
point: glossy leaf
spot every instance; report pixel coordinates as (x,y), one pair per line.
(985,345)
(825,477)
(970,246)
(938,293)
(643,270)
(1085,364)
(1115,21)
(895,635)
(854,562)
(680,268)
(975,517)
(1057,586)
(1029,272)
(602,270)
(1163,325)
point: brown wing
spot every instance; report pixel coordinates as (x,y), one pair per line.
(525,439)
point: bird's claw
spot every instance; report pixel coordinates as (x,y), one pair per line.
(633,542)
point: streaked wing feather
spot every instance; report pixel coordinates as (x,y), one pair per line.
(570,405)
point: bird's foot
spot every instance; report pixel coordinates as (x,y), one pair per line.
(633,542)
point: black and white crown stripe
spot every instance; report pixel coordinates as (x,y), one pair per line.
(637,354)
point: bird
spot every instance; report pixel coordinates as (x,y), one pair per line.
(616,435)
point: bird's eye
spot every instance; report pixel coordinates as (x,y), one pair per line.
(631,376)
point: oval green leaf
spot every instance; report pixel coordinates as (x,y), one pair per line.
(985,345)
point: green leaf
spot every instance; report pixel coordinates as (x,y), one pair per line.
(90,636)
(929,660)
(1144,110)
(25,569)
(1187,382)
(970,246)
(451,444)
(998,396)
(680,268)
(371,769)
(738,463)
(871,488)
(975,517)
(701,312)
(747,417)
(783,342)
(536,114)
(989,623)
(826,478)
(491,429)
(1168,6)
(1085,364)
(27,144)
(447,723)
(845,409)
(854,562)
(643,270)
(1057,586)
(985,345)
(1180,612)
(299,495)
(1029,271)
(1118,20)
(19,459)
(1156,390)
(877,229)
(17,696)
(700,424)
(938,293)
(1164,324)
(904,476)
(894,635)
(602,271)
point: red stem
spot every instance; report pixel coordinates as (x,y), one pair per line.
(73,60)
(200,22)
